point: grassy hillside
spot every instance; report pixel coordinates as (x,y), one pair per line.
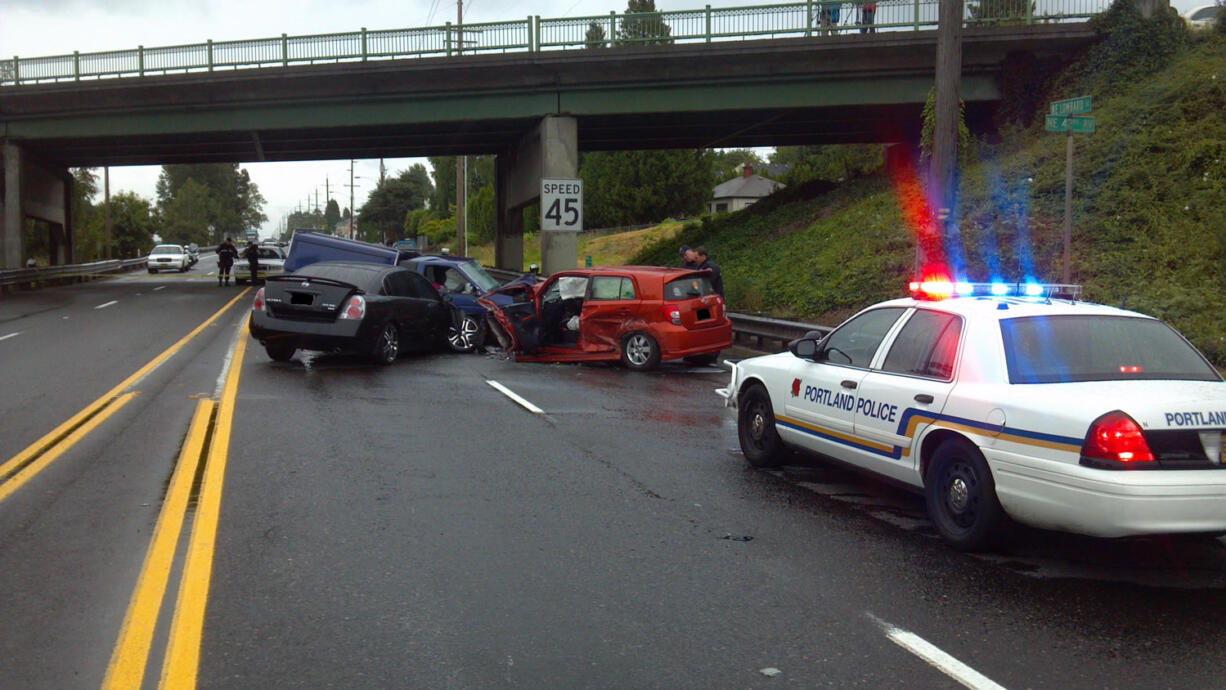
(1149,200)
(614,249)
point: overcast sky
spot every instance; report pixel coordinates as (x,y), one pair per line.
(54,27)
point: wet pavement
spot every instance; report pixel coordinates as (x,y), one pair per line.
(412,525)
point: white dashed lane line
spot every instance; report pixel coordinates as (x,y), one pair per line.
(104,306)
(936,657)
(10,335)
(160,287)
(513,396)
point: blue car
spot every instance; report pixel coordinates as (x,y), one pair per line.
(466,280)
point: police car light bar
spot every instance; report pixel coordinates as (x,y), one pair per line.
(944,289)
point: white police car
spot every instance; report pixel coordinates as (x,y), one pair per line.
(1004,400)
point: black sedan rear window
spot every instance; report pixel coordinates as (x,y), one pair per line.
(368,280)
(1056,349)
(688,287)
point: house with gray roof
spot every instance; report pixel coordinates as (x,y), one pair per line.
(743,191)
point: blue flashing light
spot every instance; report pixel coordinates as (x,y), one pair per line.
(964,289)
(944,289)
(1034,290)
(1000,289)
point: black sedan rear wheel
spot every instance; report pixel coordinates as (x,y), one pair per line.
(280,351)
(387,344)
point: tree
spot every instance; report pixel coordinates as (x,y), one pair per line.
(643,25)
(235,203)
(186,215)
(444,184)
(89,244)
(332,215)
(132,224)
(384,212)
(632,187)
(595,36)
(828,163)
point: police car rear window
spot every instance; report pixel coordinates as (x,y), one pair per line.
(1073,348)
(688,287)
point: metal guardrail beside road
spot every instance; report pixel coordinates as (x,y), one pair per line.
(66,272)
(536,34)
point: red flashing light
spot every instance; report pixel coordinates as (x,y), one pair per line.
(1131,369)
(1116,438)
(355,308)
(258,303)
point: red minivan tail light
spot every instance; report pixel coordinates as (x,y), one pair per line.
(355,308)
(671,313)
(1115,441)
(258,303)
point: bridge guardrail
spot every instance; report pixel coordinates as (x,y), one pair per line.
(536,34)
(38,274)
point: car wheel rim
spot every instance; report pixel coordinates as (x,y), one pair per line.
(464,338)
(758,424)
(390,345)
(961,494)
(638,350)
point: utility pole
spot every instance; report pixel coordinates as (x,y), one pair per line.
(106,202)
(352,213)
(460,161)
(944,172)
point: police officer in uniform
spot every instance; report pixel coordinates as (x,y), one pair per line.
(252,255)
(226,254)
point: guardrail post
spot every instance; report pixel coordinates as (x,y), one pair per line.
(140,59)
(284,50)
(1029,12)
(16,70)
(534,38)
(210,44)
(612,27)
(76,65)
(363,44)
(536,31)
(708,23)
(808,18)
(917,14)
(448,39)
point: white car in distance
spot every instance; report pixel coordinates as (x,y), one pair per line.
(166,257)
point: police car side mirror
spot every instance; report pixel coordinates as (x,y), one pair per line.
(804,348)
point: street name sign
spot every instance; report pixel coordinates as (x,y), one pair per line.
(1071,106)
(561,204)
(1062,123)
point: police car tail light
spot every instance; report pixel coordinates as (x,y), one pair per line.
(671,313)
(1117,439)
(258,303)
(355,308)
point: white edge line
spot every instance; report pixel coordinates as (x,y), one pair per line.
(160,287)
(104,306)
(937,658)
(10,335)
(512,395)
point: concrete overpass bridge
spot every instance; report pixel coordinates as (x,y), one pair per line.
(535,110)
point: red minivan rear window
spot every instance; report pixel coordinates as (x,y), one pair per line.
(688,287)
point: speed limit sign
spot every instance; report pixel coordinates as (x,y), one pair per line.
(561,204)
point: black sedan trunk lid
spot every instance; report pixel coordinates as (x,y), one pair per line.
(305,298)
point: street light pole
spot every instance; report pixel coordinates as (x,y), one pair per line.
(943,174)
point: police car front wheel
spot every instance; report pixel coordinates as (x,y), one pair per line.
(755,424)
(961,496)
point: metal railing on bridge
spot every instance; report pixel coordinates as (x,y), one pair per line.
(534,33)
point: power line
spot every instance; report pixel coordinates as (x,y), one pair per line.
(433,8)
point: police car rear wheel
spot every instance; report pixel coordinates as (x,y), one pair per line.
(755,425)
(961,496)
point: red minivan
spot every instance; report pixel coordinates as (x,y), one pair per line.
(642,315)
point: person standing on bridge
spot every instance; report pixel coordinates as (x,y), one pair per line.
(226,254)
(706,264)
(252,255)
(868,16)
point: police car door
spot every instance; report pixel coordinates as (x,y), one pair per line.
(906,390)
(820,412)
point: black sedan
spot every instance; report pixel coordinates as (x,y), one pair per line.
(371,309)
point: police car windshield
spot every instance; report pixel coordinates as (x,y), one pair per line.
(1072,348)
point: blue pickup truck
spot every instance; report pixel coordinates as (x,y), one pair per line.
(462,278)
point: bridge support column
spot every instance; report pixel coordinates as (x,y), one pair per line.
(550,150)
(33,191)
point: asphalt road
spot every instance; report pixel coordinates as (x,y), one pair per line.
(413,526)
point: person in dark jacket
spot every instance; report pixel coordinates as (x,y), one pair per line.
(252,255)
(705,263)
(226,254)
(688,258)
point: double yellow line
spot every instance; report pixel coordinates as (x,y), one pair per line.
(210,428)
(182,660)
